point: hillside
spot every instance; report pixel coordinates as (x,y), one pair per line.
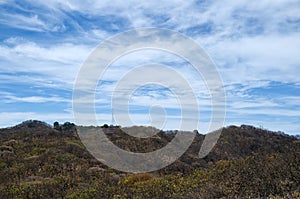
(39,161)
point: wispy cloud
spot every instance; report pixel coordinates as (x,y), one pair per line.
(254,44)
(10,98)
(55,64)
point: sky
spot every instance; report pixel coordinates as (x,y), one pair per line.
(255,46)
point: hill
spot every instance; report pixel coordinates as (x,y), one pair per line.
(39,161)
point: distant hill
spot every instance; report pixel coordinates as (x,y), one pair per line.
(41,161)
(234,142)
(33,126)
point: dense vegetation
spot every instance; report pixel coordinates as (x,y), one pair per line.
(41,161)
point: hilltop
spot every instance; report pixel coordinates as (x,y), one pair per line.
(39,160)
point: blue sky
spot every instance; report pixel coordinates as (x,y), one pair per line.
(254,44)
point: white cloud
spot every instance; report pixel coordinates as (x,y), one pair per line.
(59,63)
(9,98)
(3,1)
(252,104)
(65,53)
(234,50)
(33,22)
(290,100)
(252,43)
(272,58)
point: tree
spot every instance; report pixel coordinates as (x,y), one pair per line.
(56,125)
